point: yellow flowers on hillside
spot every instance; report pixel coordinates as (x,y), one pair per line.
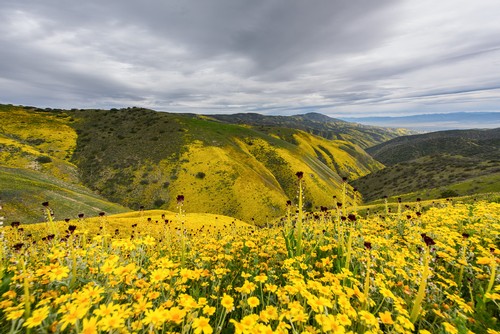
(432,272)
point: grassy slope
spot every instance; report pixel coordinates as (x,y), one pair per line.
(23,192)
(466,162)
(25,136)
(141,157)
(480,144)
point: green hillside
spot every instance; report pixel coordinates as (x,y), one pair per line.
(23,192)
(35,149)
(478,144)
(440,164)
(140,157)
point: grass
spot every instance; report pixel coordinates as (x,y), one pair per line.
(23,190)
(433,172)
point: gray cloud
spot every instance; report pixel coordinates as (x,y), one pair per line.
(271,56)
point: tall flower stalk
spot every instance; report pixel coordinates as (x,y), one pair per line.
(299,175)
(415,311)
(493,270)
(366,287)
(180,202)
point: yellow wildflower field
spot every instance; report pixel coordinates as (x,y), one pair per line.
(434,271)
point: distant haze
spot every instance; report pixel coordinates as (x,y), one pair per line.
(435,122)
(336,57)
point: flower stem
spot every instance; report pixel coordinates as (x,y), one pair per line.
(421,289)
(299,221)
(493,266)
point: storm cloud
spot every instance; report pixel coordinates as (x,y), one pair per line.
(359,57)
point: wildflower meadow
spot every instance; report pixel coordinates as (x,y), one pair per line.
(416,269)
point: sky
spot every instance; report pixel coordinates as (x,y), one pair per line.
(279,57)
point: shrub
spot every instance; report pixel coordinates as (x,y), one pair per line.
(158,203)
(449,193)
(200,175)
(43,159)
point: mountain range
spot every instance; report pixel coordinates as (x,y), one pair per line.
(435,122)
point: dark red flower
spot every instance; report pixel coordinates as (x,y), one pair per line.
(180,199)
(428,240)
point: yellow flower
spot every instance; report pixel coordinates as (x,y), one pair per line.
(270,288)
(105,310)
(209,310)
(202,325)
(368,318)
(111,322)
(9,294)
(386,318)
(90,326)
(329,323)
(270,313)
(483,260)
(449,328)
(343,319)
(247,287)
(261,278)
(58,273)
(37,317)
(15,314)
(253,302)
(176,315)
(227,302)
(155,317)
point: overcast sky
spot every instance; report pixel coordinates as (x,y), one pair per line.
(337,57)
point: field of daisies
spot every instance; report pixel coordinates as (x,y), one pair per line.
(416,269)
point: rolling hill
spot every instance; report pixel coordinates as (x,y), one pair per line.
(138,157)
(438,164)
(142,157)
(35,149)
(480,144)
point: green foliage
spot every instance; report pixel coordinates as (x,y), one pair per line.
(44,159)
(200,175)
(158,203)
(449,193)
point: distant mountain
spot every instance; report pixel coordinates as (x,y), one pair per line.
(435,122)
(319,125)
(445,160)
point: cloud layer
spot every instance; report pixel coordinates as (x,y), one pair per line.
(359,57)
